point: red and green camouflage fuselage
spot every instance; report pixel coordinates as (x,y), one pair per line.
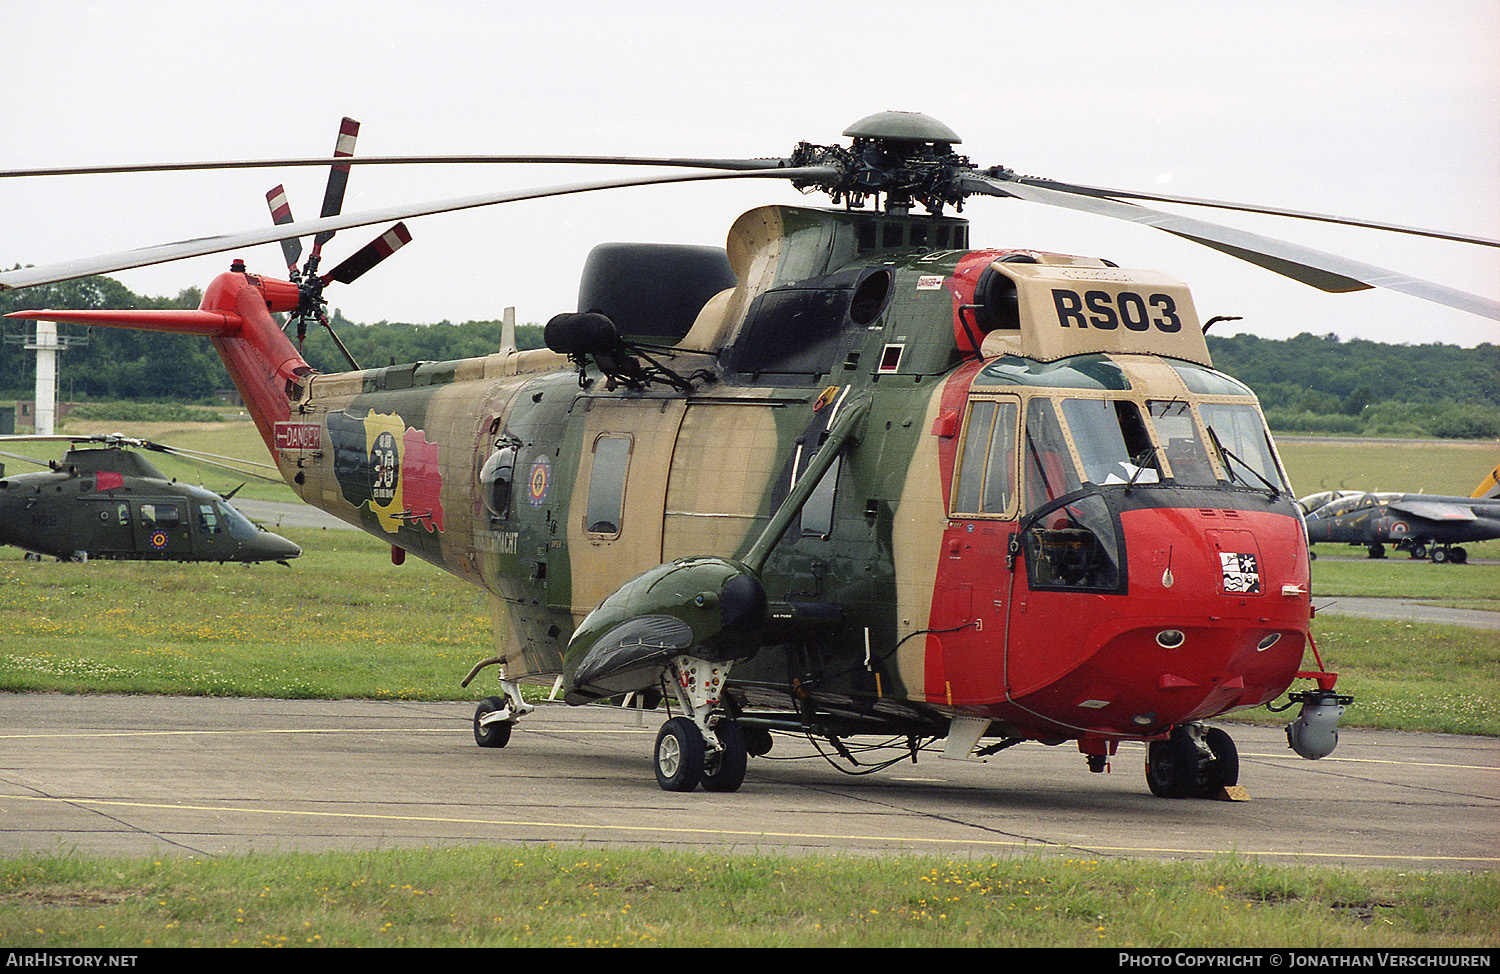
(1051,513)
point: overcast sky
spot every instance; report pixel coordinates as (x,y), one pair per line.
(1372,108)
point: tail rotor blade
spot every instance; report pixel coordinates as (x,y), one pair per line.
(370,254)
(338,178)
(281,214)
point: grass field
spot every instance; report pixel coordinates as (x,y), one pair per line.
(563,897)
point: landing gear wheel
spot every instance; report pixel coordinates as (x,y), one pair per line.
(1172,766)
(679,755)
(491,735)
(727,771)
(1459,556)
(1418,552)
(1183,766)
(1377,551)
(1224,764)
(1439,555)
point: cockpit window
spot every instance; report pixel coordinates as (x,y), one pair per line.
(1242,438)
(240,527)
(1049,468)
(1112,441)
(1182,446)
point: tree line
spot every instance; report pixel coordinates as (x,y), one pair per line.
(1310,383)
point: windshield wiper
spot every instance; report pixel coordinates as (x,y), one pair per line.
(1225,456)
(1139,460)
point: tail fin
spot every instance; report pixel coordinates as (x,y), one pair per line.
(236,316)
(1489,486)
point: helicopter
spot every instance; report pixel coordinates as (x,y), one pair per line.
(852,476)
(1422,525)
(102,500)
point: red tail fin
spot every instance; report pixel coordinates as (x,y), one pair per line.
(236,316)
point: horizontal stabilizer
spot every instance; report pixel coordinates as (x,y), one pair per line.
(176,320)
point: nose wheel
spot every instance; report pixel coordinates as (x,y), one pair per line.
(1194,762)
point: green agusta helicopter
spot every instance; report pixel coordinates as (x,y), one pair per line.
(102,500)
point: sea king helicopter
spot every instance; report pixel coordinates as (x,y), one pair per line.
(103,499)
(852,475)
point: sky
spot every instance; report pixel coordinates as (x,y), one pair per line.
(1378,109)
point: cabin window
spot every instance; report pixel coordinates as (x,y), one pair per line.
(607,485)
(1049,468)
(1242,439)
(160,515)
(1112,441)
(987,460)
(497,479)
(208,520)
(122,512)
(1182,447)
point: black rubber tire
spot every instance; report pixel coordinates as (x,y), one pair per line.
(678,757)
(494,735)
(1225,770)
(1172,767)
(728,772)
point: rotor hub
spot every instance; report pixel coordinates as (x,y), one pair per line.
(906,156)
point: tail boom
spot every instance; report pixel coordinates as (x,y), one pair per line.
(236,316)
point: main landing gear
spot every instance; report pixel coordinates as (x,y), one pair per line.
(1194,762)
(1438,553)
(706,746)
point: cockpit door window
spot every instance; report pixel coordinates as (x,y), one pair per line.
(986,477)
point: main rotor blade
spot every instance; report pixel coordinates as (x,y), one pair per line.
(146,256)
(214,460)
(736,165)
(17,456)
(1327,272)
(121,441)
(1349,221)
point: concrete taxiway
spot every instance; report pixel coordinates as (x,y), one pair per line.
(137,776)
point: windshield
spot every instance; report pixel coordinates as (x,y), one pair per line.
(1112,441)
(240,527)
(1242,437)
(1182,446)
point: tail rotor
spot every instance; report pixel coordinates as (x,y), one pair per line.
(311,306)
